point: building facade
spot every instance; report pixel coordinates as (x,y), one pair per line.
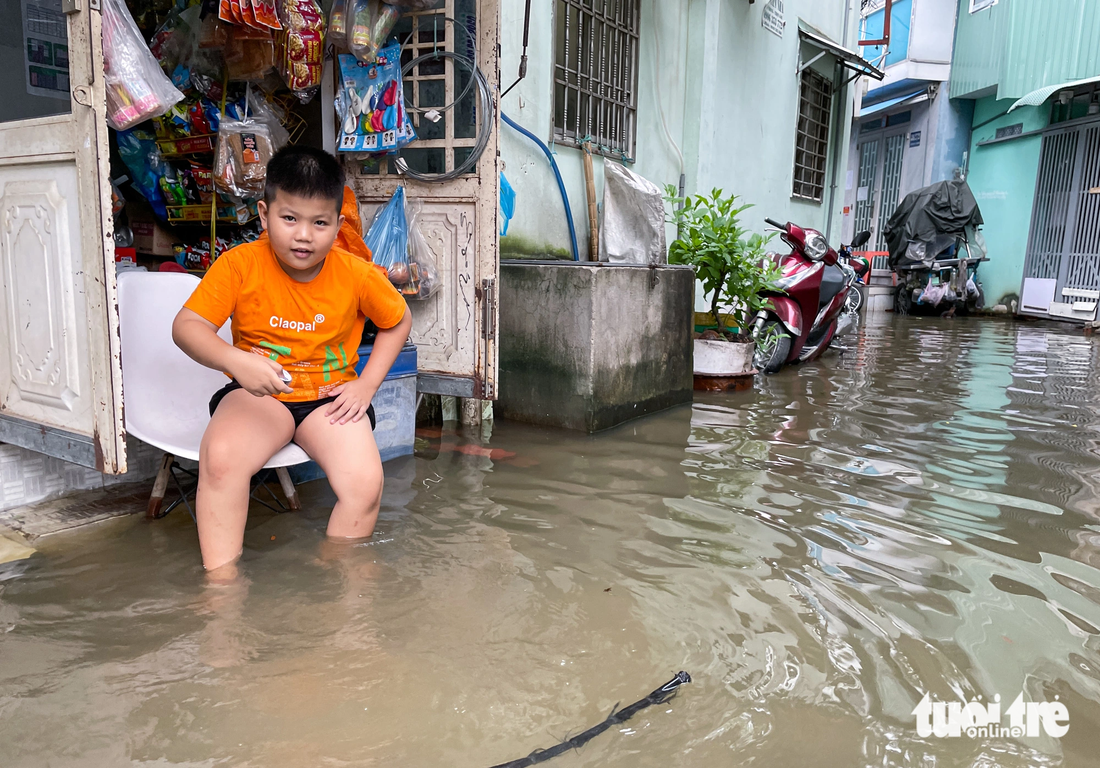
(1031,70)
(906,133)
(752,98)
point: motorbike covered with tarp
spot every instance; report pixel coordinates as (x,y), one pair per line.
(935,248)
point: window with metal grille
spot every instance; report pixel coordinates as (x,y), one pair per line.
(811,151)
(596,74)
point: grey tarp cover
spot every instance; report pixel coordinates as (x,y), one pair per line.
(633,230)
(929,220)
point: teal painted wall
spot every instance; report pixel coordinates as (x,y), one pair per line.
(724,86)
(1016,46)
(1002,177)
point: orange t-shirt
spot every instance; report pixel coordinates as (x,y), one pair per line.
(311,329)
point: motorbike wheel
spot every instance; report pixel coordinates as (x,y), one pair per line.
(855,299)
(903,300)
(773,346)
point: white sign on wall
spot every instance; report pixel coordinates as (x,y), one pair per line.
(773,20)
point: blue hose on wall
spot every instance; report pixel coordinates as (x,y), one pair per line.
(557,174)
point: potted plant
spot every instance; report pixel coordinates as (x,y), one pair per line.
(729,261)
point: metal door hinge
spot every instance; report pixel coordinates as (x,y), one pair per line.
(488,309)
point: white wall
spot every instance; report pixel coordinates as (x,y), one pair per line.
(728,92)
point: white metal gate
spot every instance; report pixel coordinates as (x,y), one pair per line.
(1064,242)
(456,330)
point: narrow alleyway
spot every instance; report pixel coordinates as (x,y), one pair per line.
(921,513)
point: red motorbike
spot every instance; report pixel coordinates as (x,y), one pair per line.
(814,302)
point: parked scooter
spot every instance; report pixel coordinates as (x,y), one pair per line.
(812,305)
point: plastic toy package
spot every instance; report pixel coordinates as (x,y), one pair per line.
(370,105)
(300,48)
(137,88)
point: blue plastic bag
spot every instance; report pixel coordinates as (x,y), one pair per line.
(507,203)
(139,151)
(388,238)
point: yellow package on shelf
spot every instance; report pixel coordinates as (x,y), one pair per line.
(239,214)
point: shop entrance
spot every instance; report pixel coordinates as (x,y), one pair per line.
(67,187)
(60,374)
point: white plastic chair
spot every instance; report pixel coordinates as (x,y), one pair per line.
(167,394)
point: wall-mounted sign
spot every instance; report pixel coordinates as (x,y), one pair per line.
(773,18)
(1010,130)
(914,139)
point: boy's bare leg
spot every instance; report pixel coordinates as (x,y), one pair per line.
(349,456)
(243,434)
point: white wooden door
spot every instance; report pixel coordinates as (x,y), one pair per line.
(60,371)
(455,331)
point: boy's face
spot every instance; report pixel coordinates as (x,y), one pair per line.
(302,230)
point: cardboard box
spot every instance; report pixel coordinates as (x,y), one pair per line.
(151,238)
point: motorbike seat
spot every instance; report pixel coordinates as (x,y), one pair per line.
(832,283)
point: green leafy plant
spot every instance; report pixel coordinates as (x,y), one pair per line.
(728,259)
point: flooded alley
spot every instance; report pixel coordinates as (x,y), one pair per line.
(919,515)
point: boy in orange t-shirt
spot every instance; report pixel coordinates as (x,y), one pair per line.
(298,306)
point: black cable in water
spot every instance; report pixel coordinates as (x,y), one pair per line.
(523,58)
(659,696)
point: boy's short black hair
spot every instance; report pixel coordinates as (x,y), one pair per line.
(306,172)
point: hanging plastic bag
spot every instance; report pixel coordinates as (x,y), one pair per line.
(507,204)
(137,88)
(932,294)
(423,273)
(412,5)
(369,23)
(388,239)
(139,152)
(300,47)
(244,148)
(262,111)
(370,106)
(337,23)
(249,53)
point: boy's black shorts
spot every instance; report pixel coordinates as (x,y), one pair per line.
(298,411)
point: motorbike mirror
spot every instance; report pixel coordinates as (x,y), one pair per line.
(861,239)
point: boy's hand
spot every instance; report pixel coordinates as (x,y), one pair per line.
(351,403)
(259,375)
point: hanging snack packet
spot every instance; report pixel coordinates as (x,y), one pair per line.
(300,47)
(266,13)
(370,107)
(137,88)
(369,23)
(240,166)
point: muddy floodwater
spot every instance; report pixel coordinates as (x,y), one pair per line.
(920,515)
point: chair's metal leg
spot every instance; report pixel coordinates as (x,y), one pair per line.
(289,490)
(183,492)
(160,486)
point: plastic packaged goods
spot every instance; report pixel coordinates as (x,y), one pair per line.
(137,88)
(388,238)
(370,104)
(369,23)
(300,47)
(249,53)
(337,22)
(424,278)
(240,164)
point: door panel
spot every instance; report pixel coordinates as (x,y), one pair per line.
(60,371)
(454,330)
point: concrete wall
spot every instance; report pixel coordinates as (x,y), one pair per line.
(589,346)
(1002,177)
(723,85)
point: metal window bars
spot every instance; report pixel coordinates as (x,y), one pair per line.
(812,138)
(596,75)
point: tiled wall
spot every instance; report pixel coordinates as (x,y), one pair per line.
(27,477)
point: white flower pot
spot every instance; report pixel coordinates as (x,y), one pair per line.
(723,358)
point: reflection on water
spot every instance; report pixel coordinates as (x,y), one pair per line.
(918,516)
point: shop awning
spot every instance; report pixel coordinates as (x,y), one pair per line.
(1039,95)
(895,102)
(848,58)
